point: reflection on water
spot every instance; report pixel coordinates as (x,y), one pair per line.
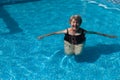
(107,4)
(91,54)
(11,24)
(10,2)
(115,1)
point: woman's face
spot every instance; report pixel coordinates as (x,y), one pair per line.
(74,24)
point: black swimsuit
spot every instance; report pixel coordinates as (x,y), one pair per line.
(75,39)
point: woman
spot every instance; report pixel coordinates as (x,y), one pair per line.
(74,39)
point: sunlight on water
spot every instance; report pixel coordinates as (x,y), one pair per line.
(23,57)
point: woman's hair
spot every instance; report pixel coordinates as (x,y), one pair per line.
(76,17)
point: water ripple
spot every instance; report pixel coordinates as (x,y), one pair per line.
(103,5)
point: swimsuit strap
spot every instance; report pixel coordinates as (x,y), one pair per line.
(67,31)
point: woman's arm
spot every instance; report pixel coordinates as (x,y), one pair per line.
(49,34)
(102,34)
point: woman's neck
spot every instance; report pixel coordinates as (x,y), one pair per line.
(73,32)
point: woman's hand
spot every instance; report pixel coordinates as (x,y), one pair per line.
(40,37)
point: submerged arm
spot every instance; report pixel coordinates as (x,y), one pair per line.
(49,34)
(102,34)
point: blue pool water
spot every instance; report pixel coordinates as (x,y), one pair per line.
(23,57)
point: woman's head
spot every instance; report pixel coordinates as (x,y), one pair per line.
(75,21)
(77,18)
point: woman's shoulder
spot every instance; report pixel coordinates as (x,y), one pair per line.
(67,30)
(64,31)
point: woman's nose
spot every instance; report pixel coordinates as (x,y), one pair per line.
(75,23)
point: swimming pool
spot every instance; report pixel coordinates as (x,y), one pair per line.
(23,57)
